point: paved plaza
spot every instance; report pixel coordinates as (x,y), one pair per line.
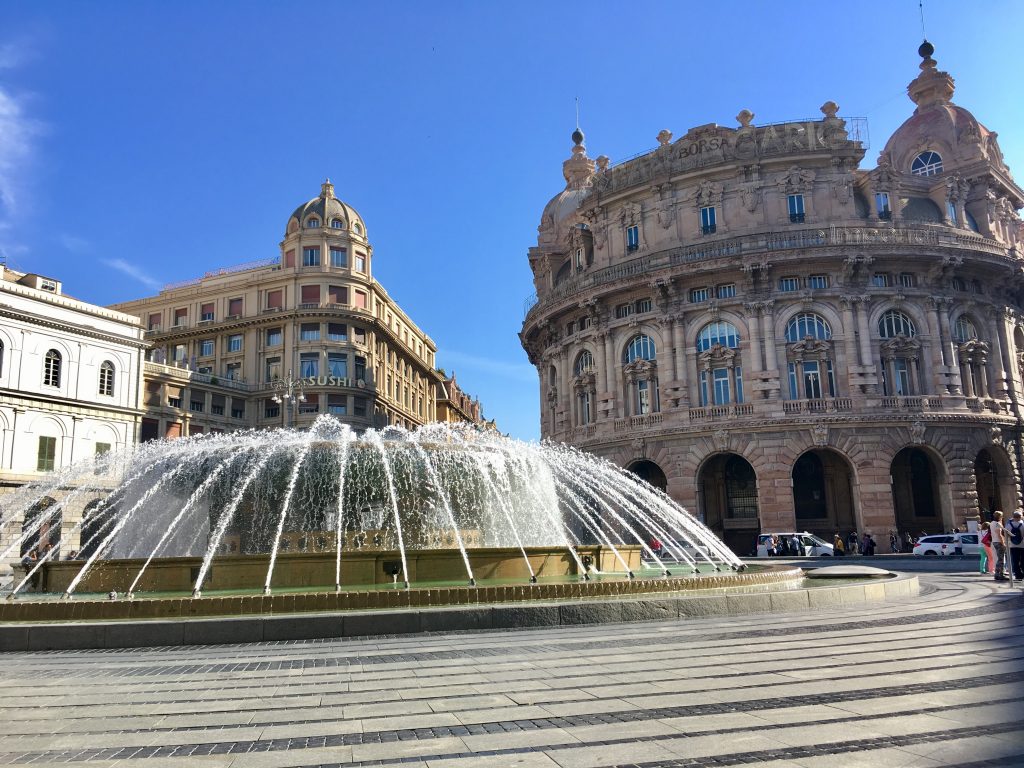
(933,680)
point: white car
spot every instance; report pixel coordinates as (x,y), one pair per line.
(811,545)
(945,544)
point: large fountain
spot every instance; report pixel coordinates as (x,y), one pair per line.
(266,512)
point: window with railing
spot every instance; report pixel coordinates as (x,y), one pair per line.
(632,238)
(796,208)
(882,207)
(708,220)
(309,365)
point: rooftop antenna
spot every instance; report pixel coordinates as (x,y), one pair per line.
(920,6)
(577,113)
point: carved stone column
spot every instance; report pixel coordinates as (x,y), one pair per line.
(949,351)
(679,349)
(565,386)
(982,362)
(849,332)
(999,361)
(864,331)
(939,379)
(965,375)
(755,337)
(601,363)
(770,362)
(611,386)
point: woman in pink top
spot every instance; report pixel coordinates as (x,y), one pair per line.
(986,557)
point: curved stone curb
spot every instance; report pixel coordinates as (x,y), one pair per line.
(310,626)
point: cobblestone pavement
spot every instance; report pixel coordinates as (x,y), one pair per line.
(935,680)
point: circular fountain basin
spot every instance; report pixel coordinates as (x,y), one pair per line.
(848,572)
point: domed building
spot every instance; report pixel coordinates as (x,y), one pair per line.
(783,339)
(281,341)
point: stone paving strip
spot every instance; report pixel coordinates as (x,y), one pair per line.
(929,681)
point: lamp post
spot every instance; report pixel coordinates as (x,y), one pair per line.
(289,391)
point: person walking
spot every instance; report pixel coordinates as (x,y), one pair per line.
(998,545)
(908,543)
(986,558)
(838,549)
(851,543)
(1015,540)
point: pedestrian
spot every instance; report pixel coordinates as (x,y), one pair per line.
(868,545)
(908,542)
(838,548)
(1015,539)
(794,544)
(998,545)
(986,558)
(851,543)
(894,542)
(958,545)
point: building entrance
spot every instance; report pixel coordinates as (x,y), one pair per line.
(823,494)
(650,472)
(917,478)
(728,500)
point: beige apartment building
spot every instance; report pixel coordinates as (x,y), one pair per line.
(783,338)
(225,347)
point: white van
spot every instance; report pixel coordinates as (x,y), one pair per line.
(811,545)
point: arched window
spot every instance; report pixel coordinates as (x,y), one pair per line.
(584,363)
(901,354)
(51,368)
(927,164)
(640,348)
(964,330)
(107,378)
(584,386)
(337,224)
(641,375)
(721,332)
(358,228)
(893,324)
(809,357)
(312,222)
(721,375)
(808,324)
(564,272)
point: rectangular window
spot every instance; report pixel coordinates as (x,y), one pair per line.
(720,378)
(204,369)
(339,257)
(206,312)
(882,205)
(233,371)
(570,328)
(632,238)
(359,406)
(337,332)
(644,305)
(309,364)
(271,410)
(726,291)
(274,337)
(311,256)
(708,220)
(174,402)
(796,208)
(787,284)
(359,299)
(817,281)
(312,404)
(359,335)
(337,404)
(623,310)
(197,406)
(337,365)
(309,332)
(337,294)
(908,279)
(360,262)
(235,307)
(643,397)
(310,294)
(179,353)
(902,372)
(154,321)
(206,348)
(217,409)
(237,409)
(951,213)
(273,369)
(794,393)
(698,295)
(880,280)
(360,368)
(180,316)
(275,299)
(235,342)
(737,373)
(47,454)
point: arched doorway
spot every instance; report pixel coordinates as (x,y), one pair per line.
(649,472)
(45,533)
(94,527)
(823,493)
(916,481)
(994,481)
(728,500)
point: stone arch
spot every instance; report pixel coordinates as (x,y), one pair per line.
(44,522)
(920,489)
(787,313)
(696,324)
(625,337)
(727,488)
(649,472)
(94,527)
(994,480)
(824,492)
(915,313)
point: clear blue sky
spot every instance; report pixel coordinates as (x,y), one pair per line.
(147,142)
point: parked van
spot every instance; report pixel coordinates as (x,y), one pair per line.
(811,545)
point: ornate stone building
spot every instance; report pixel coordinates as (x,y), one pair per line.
(225,345)
(780,337)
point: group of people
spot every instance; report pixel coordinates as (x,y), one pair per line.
(784,546)
(853,544)
(1002,546)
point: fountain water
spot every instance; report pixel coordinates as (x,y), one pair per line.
(327,493)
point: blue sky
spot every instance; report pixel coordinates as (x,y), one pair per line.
(148,142)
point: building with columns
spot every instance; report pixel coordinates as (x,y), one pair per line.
(281,341)
(783,338)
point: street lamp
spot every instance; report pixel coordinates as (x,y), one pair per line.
(289,391)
